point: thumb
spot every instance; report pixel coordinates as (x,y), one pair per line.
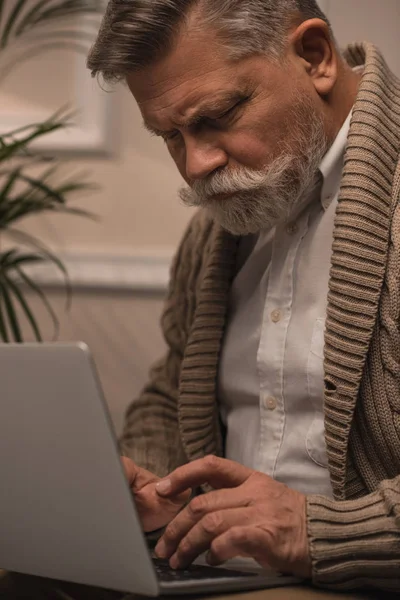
(137,477)
(131,470)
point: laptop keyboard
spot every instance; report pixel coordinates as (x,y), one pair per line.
(194,572)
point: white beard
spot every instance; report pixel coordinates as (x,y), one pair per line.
(262,199)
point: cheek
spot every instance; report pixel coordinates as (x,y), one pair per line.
(250,150)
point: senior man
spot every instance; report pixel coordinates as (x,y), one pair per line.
(283,313)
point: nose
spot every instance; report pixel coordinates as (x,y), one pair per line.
(202,159)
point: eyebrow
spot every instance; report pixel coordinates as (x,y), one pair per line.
(203,110)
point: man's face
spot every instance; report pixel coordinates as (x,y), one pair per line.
(246,136)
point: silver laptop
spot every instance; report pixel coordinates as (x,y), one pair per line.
(66,510)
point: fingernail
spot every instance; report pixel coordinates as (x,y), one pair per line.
(163,486)
(161,549)
(174,562)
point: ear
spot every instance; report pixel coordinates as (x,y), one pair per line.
(313,45)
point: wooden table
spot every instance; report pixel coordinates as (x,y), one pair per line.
(23,587)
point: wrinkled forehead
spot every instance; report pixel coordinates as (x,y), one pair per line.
(195,88)
(195,60)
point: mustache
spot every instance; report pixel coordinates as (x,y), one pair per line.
(241,180)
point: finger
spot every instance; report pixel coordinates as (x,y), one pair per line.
(130,469)
(149,497)
(218,472)
(156,512)
(194,512)
(181,498)
(137,477)
(240,541)
(201,536)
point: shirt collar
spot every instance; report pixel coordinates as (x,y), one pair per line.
(331,166)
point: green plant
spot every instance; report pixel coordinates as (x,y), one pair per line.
(27,28)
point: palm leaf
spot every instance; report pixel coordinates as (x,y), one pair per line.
(6,256)
(40,185)
(43,22)
(15,175)
(57,120)
(45,25)
(19,208)
(24,17)
(10,312)
(19,6)
(31,17)
(67,188)
(11,145)
(1,10)
(29,203)
(30,192)
(30,283)
(33,242)
(13,257)
(9,184)
(12,263)
(38,195)
(3,328)
(24,306)
(18,212)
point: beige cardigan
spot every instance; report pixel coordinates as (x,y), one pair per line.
(354,539)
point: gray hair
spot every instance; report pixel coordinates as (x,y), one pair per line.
(136,33)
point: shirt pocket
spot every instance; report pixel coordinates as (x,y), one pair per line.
(315,439)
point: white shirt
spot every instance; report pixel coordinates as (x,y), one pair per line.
(271,370)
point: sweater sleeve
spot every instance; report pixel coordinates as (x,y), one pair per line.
(356,543)
(151,436)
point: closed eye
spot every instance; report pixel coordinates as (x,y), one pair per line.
(199,122)
(230,111)
(226,113)
(171,135)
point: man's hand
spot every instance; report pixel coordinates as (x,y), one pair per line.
(154,511)
(257,517)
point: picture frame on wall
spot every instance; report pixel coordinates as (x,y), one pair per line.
(35,88)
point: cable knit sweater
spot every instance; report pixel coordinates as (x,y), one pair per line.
(355,538)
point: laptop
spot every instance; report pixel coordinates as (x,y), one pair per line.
(66,510)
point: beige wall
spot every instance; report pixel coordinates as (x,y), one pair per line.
(138,207)
(375,20)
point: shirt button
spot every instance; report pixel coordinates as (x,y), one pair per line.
(276,316)
(271,403)
(292,229)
